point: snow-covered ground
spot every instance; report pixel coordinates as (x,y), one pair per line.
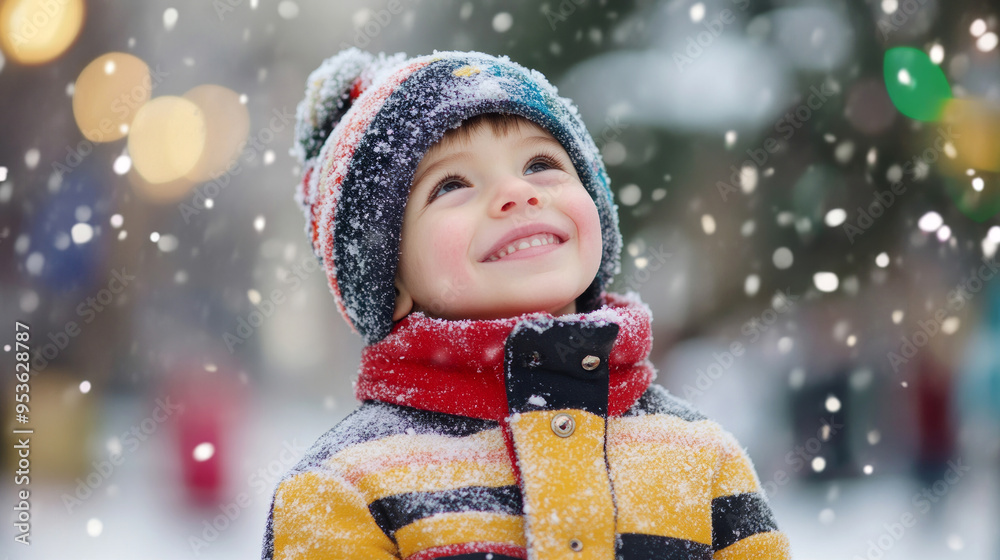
(864,518)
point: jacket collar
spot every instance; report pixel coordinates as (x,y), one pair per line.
(457,367)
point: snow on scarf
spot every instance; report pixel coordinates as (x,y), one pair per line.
(457,367)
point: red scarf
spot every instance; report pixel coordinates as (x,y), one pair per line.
(457,367)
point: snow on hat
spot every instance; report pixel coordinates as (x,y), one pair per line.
(364,126)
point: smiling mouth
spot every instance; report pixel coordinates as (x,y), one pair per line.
(525,244)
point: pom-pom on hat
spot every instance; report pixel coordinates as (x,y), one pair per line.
(364,126)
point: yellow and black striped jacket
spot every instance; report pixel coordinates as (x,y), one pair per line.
(395,482)
(559,478)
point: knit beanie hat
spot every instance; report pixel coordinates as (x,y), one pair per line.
(364,126)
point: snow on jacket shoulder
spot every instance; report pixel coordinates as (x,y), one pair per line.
(394,482)
(529,437)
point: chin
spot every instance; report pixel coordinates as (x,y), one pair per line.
(518,305)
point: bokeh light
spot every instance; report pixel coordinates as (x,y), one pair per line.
(107,95)
(978,204)
(167,139)
(227,123)
(38,31)
(917,86)
(976,132)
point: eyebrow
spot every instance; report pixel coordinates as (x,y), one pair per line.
(533,139)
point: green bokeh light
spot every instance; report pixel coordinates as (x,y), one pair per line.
(917,87)
(977,205)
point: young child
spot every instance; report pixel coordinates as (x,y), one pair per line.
(464,219)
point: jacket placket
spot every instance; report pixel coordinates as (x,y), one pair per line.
(557,381)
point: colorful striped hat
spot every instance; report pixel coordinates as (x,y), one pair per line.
(364,126)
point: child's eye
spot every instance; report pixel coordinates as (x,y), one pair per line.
(542,163)
(448,184)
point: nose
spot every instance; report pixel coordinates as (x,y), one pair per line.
(512,194)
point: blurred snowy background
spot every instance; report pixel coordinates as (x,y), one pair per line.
(809,209)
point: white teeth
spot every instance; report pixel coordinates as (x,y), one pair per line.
(534,241)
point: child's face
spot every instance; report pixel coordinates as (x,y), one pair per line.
(470,201)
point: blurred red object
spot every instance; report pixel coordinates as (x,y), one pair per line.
(212,398)
(935,424)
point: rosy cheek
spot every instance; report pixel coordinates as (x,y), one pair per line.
(445,254)
(581,208)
